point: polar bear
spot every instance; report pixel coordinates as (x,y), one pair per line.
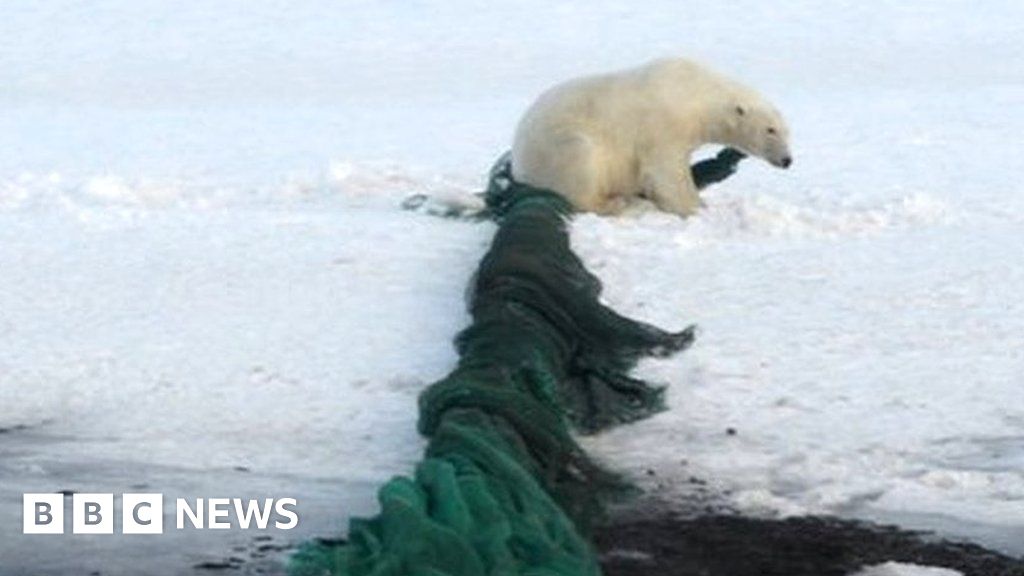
(602,141)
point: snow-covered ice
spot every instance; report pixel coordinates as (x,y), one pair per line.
(205,267)
(903,569)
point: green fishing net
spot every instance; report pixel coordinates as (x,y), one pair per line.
(504,488)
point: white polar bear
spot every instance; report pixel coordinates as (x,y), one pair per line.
(602,141)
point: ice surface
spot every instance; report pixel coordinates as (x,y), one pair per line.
(204,266)
(901,569)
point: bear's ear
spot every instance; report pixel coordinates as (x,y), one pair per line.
(740,111)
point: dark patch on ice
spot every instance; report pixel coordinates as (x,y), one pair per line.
(216,565)
(339,541)
(231,563)
(265,548)
(670,544)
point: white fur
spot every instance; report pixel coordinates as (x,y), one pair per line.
(602,141)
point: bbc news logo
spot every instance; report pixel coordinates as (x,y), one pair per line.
(144,513)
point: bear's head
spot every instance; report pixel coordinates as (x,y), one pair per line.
(758,129)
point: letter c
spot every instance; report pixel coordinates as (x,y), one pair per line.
(137,518)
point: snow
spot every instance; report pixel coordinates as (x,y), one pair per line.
(901,569)
(205,266)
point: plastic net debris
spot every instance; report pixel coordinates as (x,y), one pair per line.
(504,488)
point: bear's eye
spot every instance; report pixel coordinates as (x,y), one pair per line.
(740,111)
(771,131)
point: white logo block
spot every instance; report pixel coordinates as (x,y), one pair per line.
(142,514)
(43,513)
(92,514)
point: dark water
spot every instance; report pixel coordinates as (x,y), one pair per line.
(324,506)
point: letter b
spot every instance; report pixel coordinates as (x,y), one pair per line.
(43,514)
(92,514)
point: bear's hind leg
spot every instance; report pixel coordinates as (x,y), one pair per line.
(572,170)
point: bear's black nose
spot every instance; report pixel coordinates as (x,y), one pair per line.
(786,162)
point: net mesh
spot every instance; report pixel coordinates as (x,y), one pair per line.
(504,488)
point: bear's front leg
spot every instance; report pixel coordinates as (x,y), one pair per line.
(671,187)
